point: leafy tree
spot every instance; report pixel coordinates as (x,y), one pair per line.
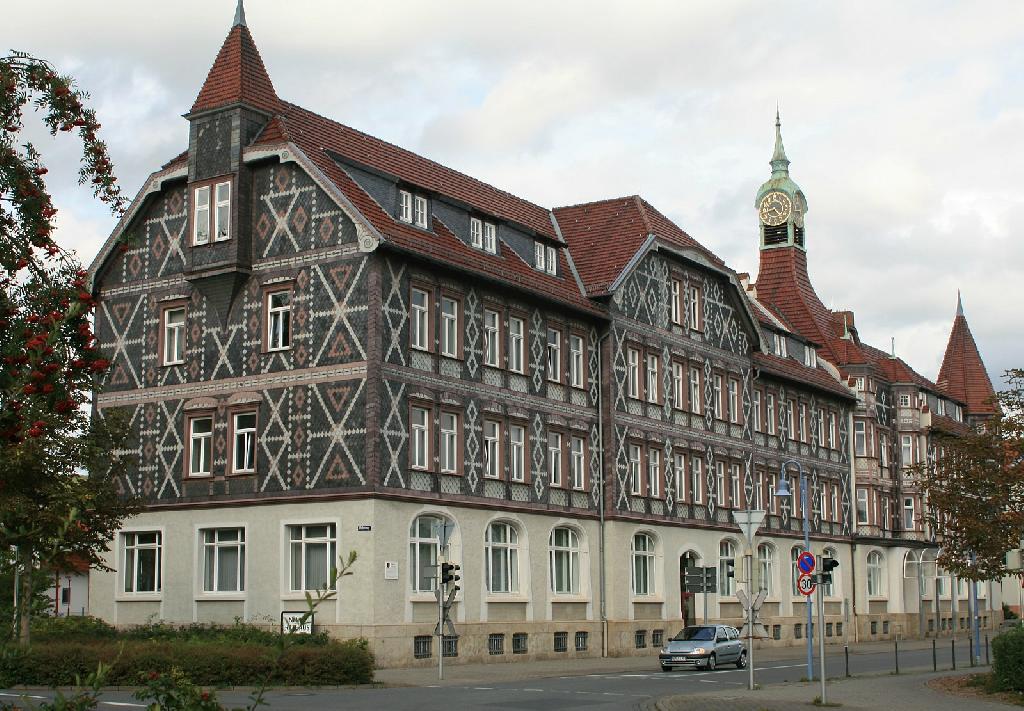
(975,489)
(50,511)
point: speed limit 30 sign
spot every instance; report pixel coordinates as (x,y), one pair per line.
(805,584)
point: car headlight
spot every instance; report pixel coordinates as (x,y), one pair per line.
(698,650)
(664,650)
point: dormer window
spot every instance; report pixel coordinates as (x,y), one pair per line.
(405,206)
(412,208)
(420,211)
(859,383)
(207,222)
(483,235)
(779,343)
(810,357)
(545,258)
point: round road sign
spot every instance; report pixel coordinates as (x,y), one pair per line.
(805,584)
(806,562)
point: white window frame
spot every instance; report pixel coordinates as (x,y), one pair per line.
(506,554)
(420,211)
(201,442)
(653,473)
(279,321)
(810,357)
(174,336)
(517,452)
(695,308)
(211,548)
(696,479)
(633,372)
(876,574)
(716,379)
(766,565)
(695,399)
(243,441)
(218,204)
(679,474)
(539,256)
(635,482)
(803,422)
(832,430)
(405,206)
(492,338)
(552,260)
(303,543)
(909,510)
(555,458)
(564,561)
(490,238)
(423,544)
(734,486)
(492,449)
(449,442)
(516,328)
(863,511)
(449,327)
(554,355)
(577,467)
(419,442)
(419,321)
(734,400)
(675,306)
(860,438)
(652,378)
(906,450)
(726,552)
(131,564)
(643,582)
(770,420)
(201,216)
(757,411)
(476,232)
(904,399)
(575,360)
(678,392)
(720,483)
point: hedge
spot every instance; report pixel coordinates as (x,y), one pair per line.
(58,663)
(92,629)
(1008,660)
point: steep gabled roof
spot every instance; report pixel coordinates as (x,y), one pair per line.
(238,76)
(963,375)
(604,236)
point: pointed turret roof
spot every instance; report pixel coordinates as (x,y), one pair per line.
(238,75)
(780,163)
(963,375)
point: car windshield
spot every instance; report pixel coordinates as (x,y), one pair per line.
(699,634)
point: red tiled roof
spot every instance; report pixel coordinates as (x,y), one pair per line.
(178,160)
(238,75)
(604,235)
(314,130)
(793,370)
(963,375)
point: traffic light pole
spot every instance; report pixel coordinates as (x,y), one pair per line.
(440,623)
(821,636)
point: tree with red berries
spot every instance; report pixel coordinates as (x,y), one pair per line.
(58,501)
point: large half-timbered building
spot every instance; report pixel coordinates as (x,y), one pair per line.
(327,343)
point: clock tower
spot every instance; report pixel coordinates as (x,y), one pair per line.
(780,202)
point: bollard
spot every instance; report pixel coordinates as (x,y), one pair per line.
(846,653)
(987,662)
(897,643)
(935,656)
(970,647)
(952,647)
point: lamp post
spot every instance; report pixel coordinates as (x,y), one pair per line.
(782,492)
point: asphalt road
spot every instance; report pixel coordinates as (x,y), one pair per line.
(601,691)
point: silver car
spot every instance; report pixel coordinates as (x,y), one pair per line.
(704,647)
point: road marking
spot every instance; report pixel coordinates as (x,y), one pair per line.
(123,703)
(707,681)
(24,696)
(483,688)
(541,690)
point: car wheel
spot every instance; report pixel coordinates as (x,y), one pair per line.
(741,663)
(665,668)
(710,664)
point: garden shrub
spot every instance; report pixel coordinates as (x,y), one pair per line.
(1008,660)
(85,629)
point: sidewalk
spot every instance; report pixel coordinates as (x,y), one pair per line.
(907,692)
(505,671)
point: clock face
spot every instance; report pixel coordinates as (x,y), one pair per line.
(775,208)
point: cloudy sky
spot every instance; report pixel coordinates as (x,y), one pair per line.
(904,122)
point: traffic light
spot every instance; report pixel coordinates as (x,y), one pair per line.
(827,566)
(448,573)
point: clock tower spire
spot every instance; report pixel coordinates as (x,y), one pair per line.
(780,202)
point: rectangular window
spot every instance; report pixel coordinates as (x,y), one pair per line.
(476,232)
(200,434)
(696,322)
(244,442)
(734,486)
(803,422)
(770,420)
(720,483)
(555,458)
(695,391)
(679,472)
(635,482)
(576,463)
(832,429)
(515,344)
(696,478)
(421,646)
(653,473)
(859,382)
(860,441)
(908,514)
(904,400)
(420,215)
(633,372)
(142,561)
(790,415)
(492,335)
(810,357)
(449,327)
(517,444)
(552,261)
(279,320)
(581,641)
(495,643)
(519,643)
(883,449)
(575,361)
(420,445)
(405,206)
(773,501)
(223,560)
(419,321)
(174,335)
(734,401)
(492,449)
(313,553)
(222,215)
(757,411)
(820,428)
(539,255)
(717,396)
(201,216)
(759,491)
(652,378)
(678,387)
(907,450)
(676,306)
(561,643)
(862,507)
(554,363)
(490,238)
(449,442)
(835,503)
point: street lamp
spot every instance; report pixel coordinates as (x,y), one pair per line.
(783,492)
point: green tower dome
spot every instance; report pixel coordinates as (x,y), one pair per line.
(780,202)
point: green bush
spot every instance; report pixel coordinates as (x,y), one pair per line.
(1008,660)
(68,629)
(214,663)
(238,633)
